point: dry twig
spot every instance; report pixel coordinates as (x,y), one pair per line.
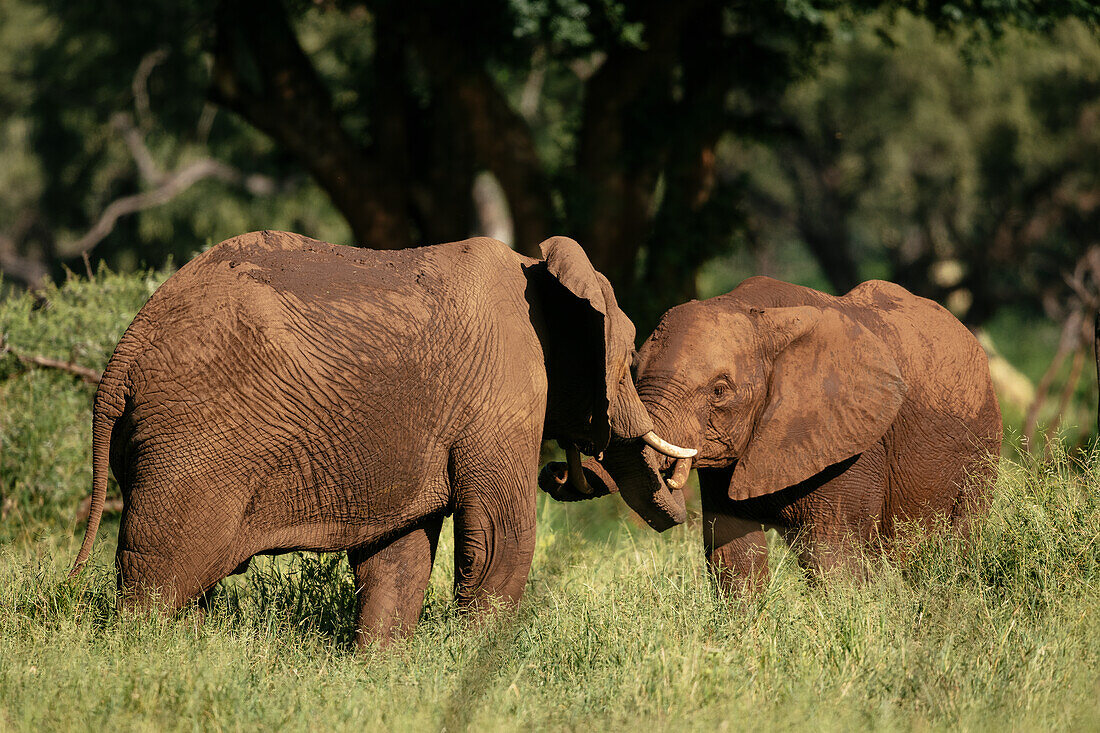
(1075,340)
(90,376)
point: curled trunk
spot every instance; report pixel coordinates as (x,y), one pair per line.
(630,468)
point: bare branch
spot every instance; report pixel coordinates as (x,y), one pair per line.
(29,271)
(1087,268)
(172,186)
(206,121)
(91,376)
(1067,344)
(166,185)
(140,85)
(1067,392)
(149,171)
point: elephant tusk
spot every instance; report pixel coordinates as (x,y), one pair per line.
(576,473)
(680,474)
(663,446)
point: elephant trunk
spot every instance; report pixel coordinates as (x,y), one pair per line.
(630,468)
(576,472)
(635,469)
(630,465)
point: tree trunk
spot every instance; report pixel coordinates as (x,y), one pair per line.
(261,73)
(623,141)
(480,119)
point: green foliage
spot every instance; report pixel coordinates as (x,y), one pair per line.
(80,88)
(969,180)
(45,426)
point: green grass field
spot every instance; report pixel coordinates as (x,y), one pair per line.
(619,627)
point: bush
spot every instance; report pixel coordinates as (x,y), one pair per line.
(45,415)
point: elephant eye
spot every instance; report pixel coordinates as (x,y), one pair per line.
(720,389)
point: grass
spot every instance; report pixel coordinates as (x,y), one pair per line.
(619,627)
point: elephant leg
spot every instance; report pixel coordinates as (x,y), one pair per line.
(736,549)
(737,552)
(494,523)
(169,555)
(827,554)
(390,583)
(167,582)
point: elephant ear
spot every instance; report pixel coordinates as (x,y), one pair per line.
(567,263)
(834,391)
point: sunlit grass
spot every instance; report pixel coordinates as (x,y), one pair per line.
(619,625)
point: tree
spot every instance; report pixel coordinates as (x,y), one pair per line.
(602,120)
(972,182)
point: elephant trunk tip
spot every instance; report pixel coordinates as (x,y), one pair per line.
(576,473)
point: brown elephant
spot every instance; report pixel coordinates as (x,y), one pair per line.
(280,393)
(830,419)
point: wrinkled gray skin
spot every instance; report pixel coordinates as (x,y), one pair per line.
(831,420)
(280,393)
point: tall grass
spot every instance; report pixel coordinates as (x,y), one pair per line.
(619,626)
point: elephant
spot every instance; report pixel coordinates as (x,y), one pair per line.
(279,393)
(833,420)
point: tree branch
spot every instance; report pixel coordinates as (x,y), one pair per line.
(140,85)
(261,73)
(90,376)
(166,186)
(29,271)
(173,185)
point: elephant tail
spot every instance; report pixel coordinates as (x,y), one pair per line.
(110,402)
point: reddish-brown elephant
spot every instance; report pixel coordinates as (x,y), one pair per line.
(830,419)
(280,393)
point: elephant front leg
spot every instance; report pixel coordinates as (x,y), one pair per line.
(736,549)
(737,552)
(494,543)
(390,584)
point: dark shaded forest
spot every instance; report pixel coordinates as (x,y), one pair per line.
(951,147)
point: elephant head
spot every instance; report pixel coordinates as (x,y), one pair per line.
(592,403)
(779,394)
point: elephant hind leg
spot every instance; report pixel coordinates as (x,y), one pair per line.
(167,582)
(390,583)
(828,554)
(168,557)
